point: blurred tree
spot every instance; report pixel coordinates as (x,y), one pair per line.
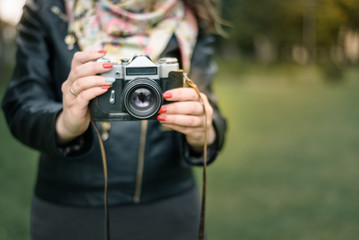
(2,48)
(275,20)
(7,50)
(281,28)
(350,9)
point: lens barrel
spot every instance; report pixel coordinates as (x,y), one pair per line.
(142,98)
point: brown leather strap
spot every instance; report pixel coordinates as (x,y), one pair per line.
(104,165)
(203,207)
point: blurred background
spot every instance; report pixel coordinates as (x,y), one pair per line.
(288,84)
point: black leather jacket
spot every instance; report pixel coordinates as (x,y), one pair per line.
(144,162)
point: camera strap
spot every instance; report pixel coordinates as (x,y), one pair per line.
(188,81)
(204,180)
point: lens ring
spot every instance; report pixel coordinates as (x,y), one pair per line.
(142,98)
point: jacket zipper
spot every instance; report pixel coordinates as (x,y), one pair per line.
(140,161)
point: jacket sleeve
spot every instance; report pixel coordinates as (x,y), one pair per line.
(202,73)
(30,103)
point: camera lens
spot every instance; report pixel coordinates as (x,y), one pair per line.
(142,98)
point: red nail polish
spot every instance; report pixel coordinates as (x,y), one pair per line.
(106,86)
(107,65)
(161,118)
(163,109)
(102,51)
(167,95)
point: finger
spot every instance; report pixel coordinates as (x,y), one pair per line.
(183,108)
(182,120)
(89,82)
(188,94)
(82,57)
(181,94)
(83,99)
(89,69)
(194,132)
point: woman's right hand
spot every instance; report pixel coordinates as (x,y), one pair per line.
(82,85)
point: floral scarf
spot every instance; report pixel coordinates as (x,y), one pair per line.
(129,27)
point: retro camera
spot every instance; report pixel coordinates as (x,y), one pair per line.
(137,92)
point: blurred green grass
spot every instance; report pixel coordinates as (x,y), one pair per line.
(17,177)
(289,169)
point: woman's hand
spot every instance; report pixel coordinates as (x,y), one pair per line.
(82,85)
(186,115)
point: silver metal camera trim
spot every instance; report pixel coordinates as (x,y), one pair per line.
(164,67)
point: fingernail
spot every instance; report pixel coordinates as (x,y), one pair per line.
(161,118)
(167,95)
(106,87)
(163,109)
(102,51)
(107,65)
(110,79)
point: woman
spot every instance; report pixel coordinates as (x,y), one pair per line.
(151,189)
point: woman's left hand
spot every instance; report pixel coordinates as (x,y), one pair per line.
(186,115)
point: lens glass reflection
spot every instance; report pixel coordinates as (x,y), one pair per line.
(141,98)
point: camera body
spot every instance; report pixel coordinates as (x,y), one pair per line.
(137,91)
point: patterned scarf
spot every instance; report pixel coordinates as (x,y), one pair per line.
(129,27)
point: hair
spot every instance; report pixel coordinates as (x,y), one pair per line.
(207,13)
